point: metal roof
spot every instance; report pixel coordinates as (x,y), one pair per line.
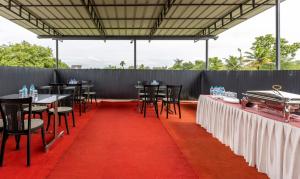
(130,19)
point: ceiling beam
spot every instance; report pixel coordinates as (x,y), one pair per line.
(129,28)
(89,6)
(141,5)
(74,37)
(26,15)
(135,18)
(165,9)
(232,16)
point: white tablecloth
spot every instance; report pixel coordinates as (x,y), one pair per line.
(272,146)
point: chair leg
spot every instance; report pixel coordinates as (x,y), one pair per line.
(156,109)
(179,110)
(73,118)
(145,106)
(162,107)
(167,110)
(28,149)
(17,138)
(84,106)
(142,108)
(4,138)
(43,136)
(174,105)
(41,115)
(59,119)
(48,123)
(79,108)
(66,123)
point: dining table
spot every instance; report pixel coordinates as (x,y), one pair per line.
(47,99)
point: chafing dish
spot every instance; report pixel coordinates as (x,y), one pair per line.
(283,102)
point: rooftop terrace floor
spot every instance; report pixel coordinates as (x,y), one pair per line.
(113,140)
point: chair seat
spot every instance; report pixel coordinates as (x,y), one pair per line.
(36,108)
(89,93)
(35,124)
(161,94)
(62,109)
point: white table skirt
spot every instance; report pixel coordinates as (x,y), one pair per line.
(272,146)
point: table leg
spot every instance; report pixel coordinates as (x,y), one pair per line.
(57,134)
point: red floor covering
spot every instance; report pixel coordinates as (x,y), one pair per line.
(112,140)
(119,143)
(208,157)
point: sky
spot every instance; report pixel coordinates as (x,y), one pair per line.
(99,54)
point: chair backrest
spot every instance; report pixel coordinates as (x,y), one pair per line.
(151,92)
(173,92)
(13,115)
(77,90)
(56,88)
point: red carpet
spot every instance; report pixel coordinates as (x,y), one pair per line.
(119,143)
(208,157)
(113,140)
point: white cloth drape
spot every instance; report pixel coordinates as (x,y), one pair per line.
(272,146)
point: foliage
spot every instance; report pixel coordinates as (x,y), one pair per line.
(263,53)
(25,54)
(122,64)
(215,63)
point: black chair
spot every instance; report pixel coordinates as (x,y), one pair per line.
(78,97)
(172,97)
(89,95)
(14,123)
(66,107)
(56,88)
(150,97)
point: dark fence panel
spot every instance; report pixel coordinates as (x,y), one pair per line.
(119,84)
(13,78)
(241,81)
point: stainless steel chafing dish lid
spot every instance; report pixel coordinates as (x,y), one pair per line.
(275,96)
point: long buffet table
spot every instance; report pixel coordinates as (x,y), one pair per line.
(262,139)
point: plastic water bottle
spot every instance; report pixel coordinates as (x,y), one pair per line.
(24,91)
(31,90)
(211,91)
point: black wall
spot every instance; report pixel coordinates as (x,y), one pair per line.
(13,78)
(241,81)
(119,84)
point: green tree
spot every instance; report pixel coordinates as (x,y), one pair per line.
(199,65)
(177,65)
(233,63)
(215,63)
(263,53)
(110,67)
(122,64)
(143,67)
(25,54)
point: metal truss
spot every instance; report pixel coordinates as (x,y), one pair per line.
(233,15)
(74,37)
(168,4)
(142,5)
(29,17)
(89,5)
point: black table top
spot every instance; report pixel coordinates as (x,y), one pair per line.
(42,98)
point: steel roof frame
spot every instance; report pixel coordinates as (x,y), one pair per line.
(89,6)
(30,17)
(220,23)
(214,26)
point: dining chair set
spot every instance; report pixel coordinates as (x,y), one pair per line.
(18,116)
(152,94)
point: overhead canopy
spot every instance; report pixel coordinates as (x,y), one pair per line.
(130,19)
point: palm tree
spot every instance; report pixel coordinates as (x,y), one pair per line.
(122,63)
